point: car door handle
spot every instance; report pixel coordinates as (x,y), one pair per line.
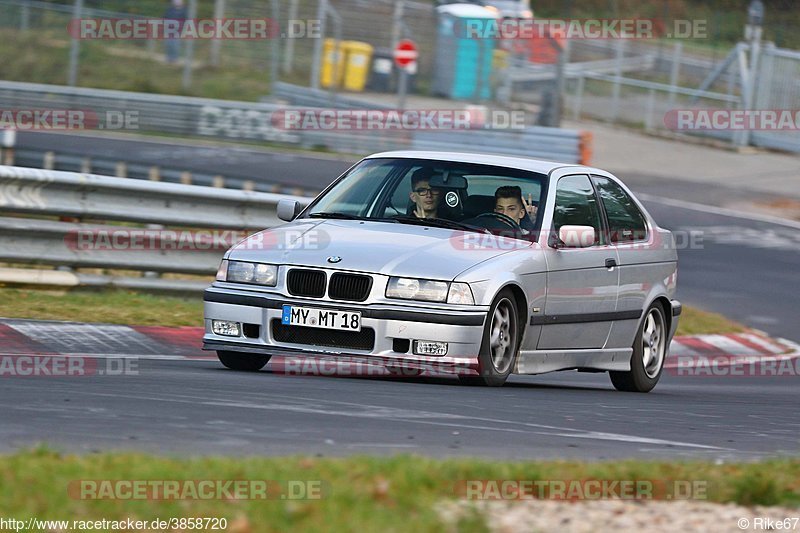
(611,262)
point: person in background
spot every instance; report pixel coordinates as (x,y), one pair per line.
(176,11)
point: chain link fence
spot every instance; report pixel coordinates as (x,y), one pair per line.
(631,82)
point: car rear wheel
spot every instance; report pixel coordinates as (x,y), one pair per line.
(649,353)
(248,362)
(500,343)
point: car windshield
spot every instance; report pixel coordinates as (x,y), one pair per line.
(444,194)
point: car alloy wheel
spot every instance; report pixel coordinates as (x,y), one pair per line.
(500,343)
(502,339)
(653,340)
(649,353)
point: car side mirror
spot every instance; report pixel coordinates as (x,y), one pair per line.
(289,209)
(573,236)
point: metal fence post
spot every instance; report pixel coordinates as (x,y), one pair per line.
(397,23)
(316,65)
(187,66)
(275,48)
(561,81)
(615,94)
(75,48)
(9,140)
(25,17)
(648,117)
(288,51)
(675,71)
(216,44)
(577,103)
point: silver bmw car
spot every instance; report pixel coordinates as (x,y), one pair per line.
(486,265)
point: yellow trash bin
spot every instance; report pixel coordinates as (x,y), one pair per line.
(332,63)
(346,66)
(357,61)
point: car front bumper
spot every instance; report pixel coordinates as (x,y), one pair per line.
(461,330)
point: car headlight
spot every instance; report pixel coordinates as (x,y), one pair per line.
(429,291)
(460,293)
(222,271)
(417,289)
(258,273)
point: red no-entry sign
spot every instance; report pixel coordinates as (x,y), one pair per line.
(405,53)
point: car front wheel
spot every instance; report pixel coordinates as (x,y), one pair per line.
(649,353)
(243,361)
(500,343)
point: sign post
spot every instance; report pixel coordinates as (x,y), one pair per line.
(405,57)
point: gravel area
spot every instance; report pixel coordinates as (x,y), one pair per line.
(619,515)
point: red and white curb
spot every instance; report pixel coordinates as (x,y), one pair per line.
(43,337)
(751,353)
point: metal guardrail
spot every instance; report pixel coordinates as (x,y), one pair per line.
(119,167)
(570,146)
(182,115)
(49,192)
(73,242)
(253,121)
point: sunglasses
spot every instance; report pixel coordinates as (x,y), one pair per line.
(426,191)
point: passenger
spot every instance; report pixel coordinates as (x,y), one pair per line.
(426,199)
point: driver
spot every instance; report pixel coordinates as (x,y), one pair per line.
(508,200)
(425,198)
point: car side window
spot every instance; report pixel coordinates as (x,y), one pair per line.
(576,204)
(626,222)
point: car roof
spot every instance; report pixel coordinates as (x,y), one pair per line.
(521,163)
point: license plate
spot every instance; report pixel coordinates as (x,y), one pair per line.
(321,318)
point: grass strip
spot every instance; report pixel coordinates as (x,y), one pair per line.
(398,493)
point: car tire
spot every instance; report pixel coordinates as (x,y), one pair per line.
(500,344)
(246,362)
(649,354)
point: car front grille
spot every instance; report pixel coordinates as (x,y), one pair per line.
(354,340)
(308,283)
(352,287)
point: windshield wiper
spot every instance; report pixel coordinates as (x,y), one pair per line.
(337,215)
(439,223)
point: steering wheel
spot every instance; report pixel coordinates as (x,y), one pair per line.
(503,219)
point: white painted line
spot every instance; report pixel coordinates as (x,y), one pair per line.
(631,438)
(704,208)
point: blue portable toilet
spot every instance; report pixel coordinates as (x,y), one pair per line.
(463,62)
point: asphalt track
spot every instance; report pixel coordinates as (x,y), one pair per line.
(195,407)
(745,268)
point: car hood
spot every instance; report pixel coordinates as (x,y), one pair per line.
(369,246)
